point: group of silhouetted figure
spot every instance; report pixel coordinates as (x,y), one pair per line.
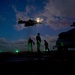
(38,43)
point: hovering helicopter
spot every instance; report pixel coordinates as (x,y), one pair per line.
(30,22)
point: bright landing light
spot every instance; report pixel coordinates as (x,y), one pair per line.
(39,20)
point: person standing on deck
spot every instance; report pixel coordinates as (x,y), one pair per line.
(30,44)
(38,40)
(46,45)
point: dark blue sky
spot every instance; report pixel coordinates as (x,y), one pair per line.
(8,19)
(55,17)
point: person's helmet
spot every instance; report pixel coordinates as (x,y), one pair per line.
(38,33)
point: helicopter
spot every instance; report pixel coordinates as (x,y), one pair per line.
(30,22)
(73,24)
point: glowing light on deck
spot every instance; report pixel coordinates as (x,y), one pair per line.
(17,51)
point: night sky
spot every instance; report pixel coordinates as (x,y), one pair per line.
(57,17)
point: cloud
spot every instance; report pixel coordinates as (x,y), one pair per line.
(61,8)
(19,27)
(66,7)
(14,8)
(12,46)
(49,38)
(3,41)
(22,44)
(22,15)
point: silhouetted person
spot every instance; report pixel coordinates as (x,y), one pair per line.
(46,45)
(38,39)
(30,44)
(58,44)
